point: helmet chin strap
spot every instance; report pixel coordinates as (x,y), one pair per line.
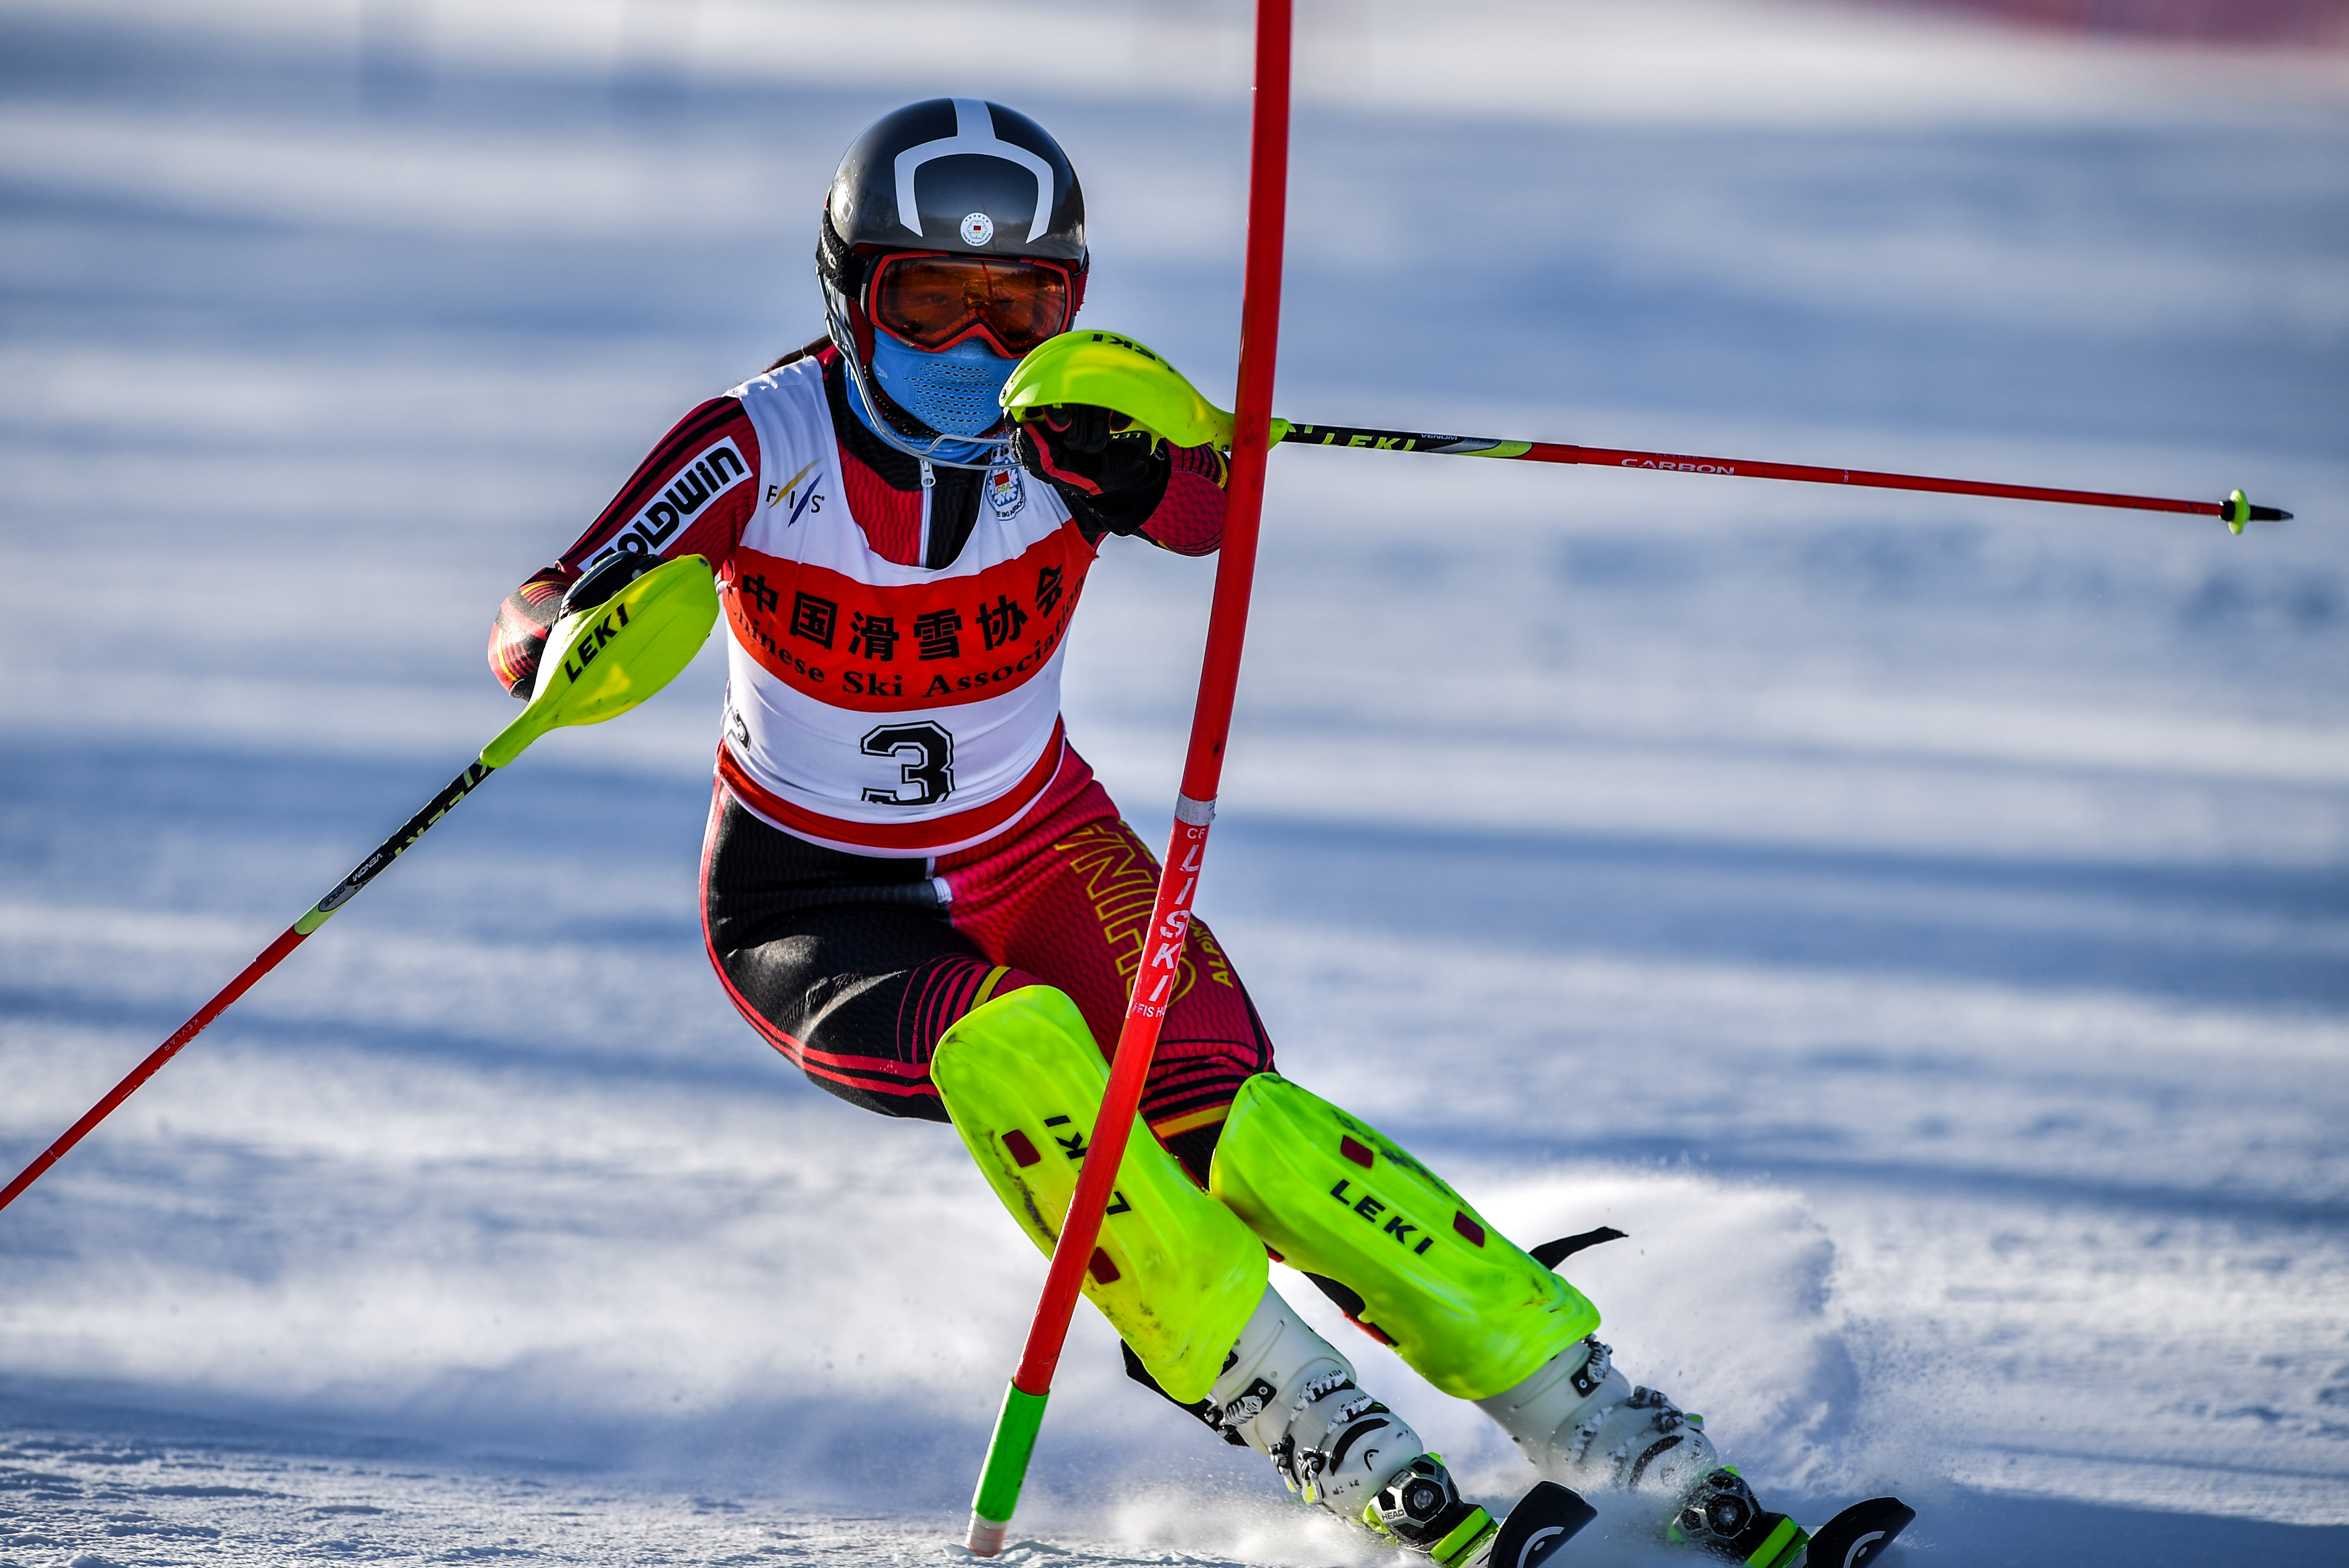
(836,319)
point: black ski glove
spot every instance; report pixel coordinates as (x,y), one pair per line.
(1111,479)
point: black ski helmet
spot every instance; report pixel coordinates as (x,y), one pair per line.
(959,176)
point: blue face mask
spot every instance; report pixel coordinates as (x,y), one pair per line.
(954,392)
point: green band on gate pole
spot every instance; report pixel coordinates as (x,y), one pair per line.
(1007,1454)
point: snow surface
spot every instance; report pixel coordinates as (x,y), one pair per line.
(1921,923)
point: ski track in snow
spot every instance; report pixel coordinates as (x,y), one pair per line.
(1921,924)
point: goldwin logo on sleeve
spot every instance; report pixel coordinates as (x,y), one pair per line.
(708,477)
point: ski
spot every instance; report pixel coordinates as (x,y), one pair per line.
(1543,1519)
(1858,1535)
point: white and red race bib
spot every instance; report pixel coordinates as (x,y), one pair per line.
(878,708)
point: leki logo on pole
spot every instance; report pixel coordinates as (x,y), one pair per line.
(1163,951)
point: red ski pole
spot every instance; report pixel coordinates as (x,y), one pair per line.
(632,640)
(1178,879)
(2235,509)
(292,937)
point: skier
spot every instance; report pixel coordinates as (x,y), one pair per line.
(916,891)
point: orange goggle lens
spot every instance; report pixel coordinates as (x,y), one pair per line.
(936,302)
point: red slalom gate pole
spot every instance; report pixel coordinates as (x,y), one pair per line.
(1178,878)
(2235,510)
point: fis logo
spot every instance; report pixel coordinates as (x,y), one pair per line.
(797,492)
(708,477)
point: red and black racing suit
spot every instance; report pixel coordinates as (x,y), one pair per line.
(854,964)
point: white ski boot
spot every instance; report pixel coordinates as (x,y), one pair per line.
(1286,1393)
(1583,1424)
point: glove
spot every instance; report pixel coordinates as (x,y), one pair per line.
(519,636)
(604,579)
(1111,479)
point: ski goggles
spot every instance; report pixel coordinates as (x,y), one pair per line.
(936,302)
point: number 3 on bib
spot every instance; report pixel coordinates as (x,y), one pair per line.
(925,754)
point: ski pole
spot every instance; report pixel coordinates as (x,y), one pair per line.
(1022,1415)
(1095,366)
(610,653)
(2235,509)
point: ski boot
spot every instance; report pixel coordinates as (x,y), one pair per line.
(1582,1422)
(1286,1392)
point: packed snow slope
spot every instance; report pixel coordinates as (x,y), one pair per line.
(1921,922)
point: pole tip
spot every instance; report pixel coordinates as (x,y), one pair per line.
(2237,509)
(986,1537)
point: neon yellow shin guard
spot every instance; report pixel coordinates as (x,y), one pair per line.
(1461,1303)
(1176,1273)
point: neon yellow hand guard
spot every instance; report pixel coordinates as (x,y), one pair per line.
(601,663)
(1108,371)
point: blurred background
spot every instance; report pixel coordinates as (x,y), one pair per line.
(1921,922)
